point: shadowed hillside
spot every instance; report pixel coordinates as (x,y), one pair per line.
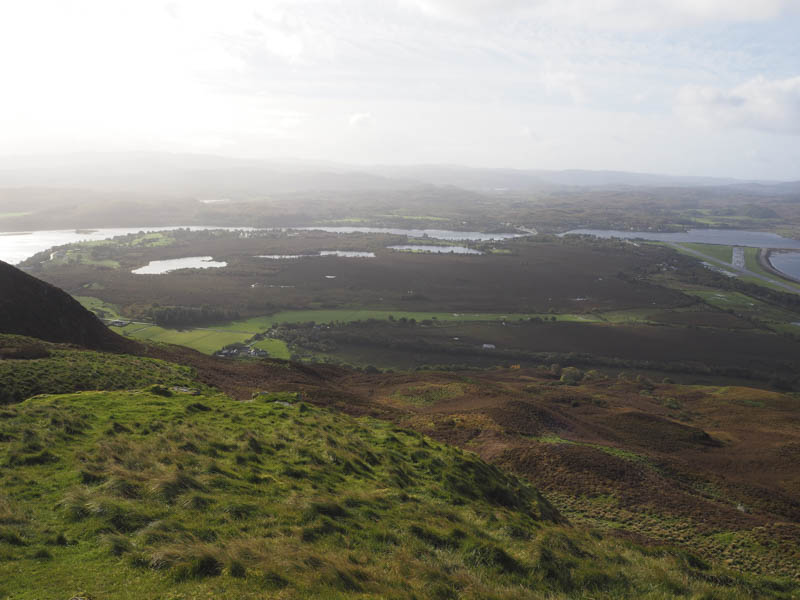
(29,306)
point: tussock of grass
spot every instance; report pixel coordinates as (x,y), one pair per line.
(117,544)
(481,554)
(255,499)
(171,484)
(11,538)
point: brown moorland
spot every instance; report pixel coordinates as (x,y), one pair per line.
(711,467)
(707,467)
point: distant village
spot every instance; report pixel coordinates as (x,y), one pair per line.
(238,351)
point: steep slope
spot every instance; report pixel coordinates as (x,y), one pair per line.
(200,496)
(29,306)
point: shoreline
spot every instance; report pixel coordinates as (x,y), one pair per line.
(764,255)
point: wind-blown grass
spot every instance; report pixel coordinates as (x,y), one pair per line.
(259,499)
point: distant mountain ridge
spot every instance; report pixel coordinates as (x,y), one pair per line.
(488,179)
(205,176)
(31,307)
(185,175)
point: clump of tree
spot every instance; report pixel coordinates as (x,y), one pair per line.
(309,336)
(594,375)
(182,316)
(571,375)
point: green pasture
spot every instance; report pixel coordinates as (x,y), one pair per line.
(102,309)
(776,317)
(635,315)
(82,256)
(257,324)
(207,341)
(716,255)
(722,256)
(153,239)
(726,299)
(718,251)
(276,348)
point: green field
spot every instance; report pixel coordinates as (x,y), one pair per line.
(103,253)
(153,239)
(257,324)
(686,250)
(776,317)
(207,341)
(636,315)
(103,310)
(720,252)
(276,348)
(751,261)
(725,300)
(722,256)
(773,285)
(82,256)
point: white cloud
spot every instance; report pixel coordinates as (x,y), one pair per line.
(761,104)
(562,81)
(468,10)
(362,120)
(609,14)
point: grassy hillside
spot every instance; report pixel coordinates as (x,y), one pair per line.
(34,367)
(148,494)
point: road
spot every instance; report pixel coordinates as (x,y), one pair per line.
(741,269)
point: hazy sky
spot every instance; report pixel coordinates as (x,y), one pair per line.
(676,86)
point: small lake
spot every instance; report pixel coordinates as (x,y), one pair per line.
(17,246)
(786,262)
(437,234)
(339,253)
(726,237)
(435,249)
(284,256)
(160,267)
(347,254)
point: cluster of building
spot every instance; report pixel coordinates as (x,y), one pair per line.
(246,351)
